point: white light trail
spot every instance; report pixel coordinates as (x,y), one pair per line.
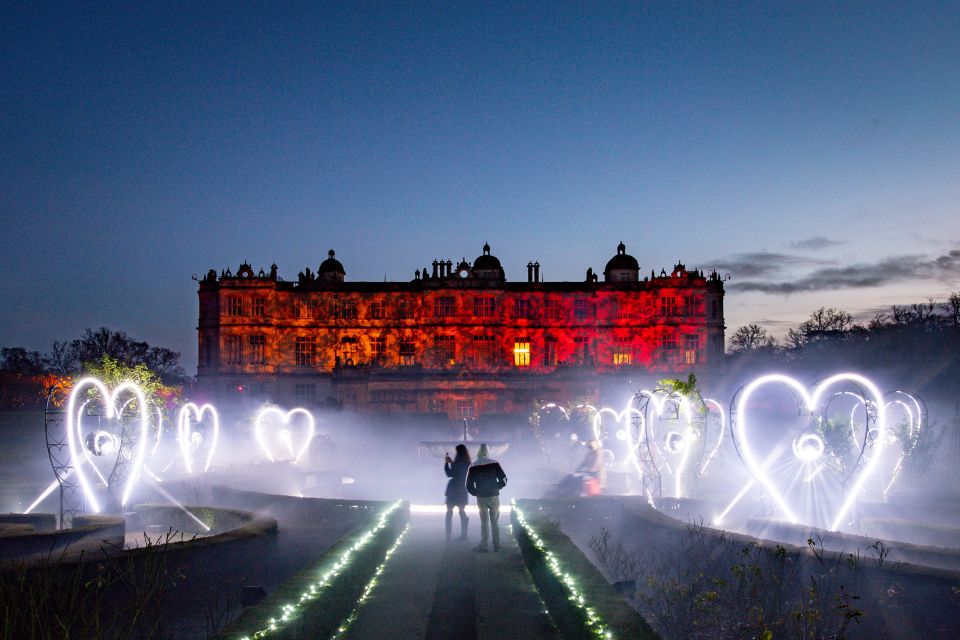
(110,406)
(176,503)
(46,492)
(184,433)
(769,460)
(723,429)
(260,425)
(811,402)
(661,401)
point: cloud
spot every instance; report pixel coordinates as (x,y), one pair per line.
(945,268)
(758,265)
(815,243)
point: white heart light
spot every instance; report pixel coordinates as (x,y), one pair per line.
(709,402)
(75,437)
(259,427)
(759,471)
(185,435)
(682,447)
(625,433)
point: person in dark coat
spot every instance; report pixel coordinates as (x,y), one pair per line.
(457,496)
(484,480)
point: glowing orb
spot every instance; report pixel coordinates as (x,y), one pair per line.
(75,435)
(808,447)
(102,443)
(262,423)
(191,440)
(759,471)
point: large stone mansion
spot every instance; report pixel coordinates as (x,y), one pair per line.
(457,340)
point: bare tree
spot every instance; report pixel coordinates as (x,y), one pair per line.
(901,315)
(750,338)
(952,307)
(924,312)
(879,321)
(826,320)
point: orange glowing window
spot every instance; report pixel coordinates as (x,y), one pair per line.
(622,351)
(408,352)
(521,352)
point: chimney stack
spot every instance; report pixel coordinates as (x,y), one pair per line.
(536,272)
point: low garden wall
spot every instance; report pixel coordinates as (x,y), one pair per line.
(26,543)
(111,592)
(689,576)
(38,521)
(293,509)
(897,552)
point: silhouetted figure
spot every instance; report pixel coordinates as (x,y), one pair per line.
(592,468)
(456,470)
(484,480)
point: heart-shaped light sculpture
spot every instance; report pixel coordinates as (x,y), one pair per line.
(631,442)
(895,401)
(913,408)
(673,448)
(262,422)
(76,439)
(190,440)
(716,408)
(805,446)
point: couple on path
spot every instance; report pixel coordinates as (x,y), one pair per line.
(483,479)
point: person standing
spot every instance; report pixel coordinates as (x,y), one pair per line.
(485,479)
(593,470)
(456,469)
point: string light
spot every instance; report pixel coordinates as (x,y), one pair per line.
(593,621)
(289,610)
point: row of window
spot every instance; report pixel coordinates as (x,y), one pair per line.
(483,307)
(483,351)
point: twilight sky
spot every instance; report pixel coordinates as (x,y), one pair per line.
(811,152)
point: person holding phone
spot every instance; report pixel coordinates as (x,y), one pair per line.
(456,469)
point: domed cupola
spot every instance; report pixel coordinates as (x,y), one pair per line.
(488,266)
(622,267)
(331,270)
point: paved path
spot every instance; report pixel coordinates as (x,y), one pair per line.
(432,590)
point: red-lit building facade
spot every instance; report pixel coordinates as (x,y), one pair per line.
(457,340)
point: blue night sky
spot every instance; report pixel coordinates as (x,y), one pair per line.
(811,151)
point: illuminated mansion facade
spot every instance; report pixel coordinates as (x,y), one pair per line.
(457,340)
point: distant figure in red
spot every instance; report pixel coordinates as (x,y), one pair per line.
(456,470)
(484,480)
(593,470)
